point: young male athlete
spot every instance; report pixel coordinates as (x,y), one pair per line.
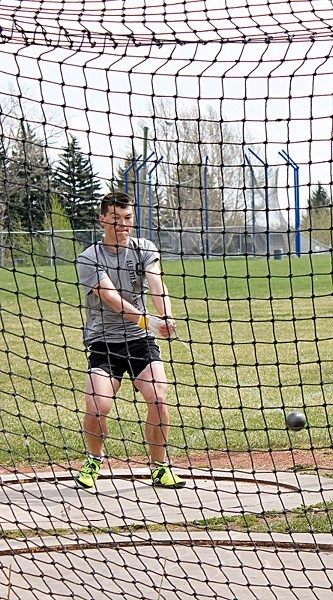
(116,275)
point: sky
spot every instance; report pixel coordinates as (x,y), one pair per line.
(281,91)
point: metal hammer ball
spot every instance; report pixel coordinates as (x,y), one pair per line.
(295,421)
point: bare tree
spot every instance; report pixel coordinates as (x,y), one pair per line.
(203,165)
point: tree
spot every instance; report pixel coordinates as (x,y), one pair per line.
(185,142)
(133,182)
(57,242)
(119,182)
(77,186)
(317,221)
(25,181)
(319,198)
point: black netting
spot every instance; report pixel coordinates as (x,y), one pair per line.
(216,119)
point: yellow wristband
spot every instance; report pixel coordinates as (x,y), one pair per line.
(143,322)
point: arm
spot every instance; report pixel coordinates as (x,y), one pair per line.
(160,297)
(158,290)
(95,280)
(106,291)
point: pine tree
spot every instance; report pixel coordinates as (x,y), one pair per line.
(77,186)
(318,219)
(25,181)
(319,198)
(119,182)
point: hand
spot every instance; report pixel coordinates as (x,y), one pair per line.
(158,326)
(171,327)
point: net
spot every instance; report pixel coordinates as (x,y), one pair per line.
(218,121)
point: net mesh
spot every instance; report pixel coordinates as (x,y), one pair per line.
(218,119)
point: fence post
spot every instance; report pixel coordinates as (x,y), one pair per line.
(126,172)
(205,180)
(295,168)
(137,183)
(150,195)
(268,242)
(253,206)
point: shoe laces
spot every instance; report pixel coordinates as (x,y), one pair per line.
(161,470)
(90,465)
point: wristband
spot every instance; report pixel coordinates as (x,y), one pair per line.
(143,322)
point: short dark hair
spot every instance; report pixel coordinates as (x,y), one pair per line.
(115,199)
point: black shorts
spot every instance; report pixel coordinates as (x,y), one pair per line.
(116,359)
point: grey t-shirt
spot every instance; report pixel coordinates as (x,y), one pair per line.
(126,269)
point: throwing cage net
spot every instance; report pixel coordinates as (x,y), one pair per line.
(217,119)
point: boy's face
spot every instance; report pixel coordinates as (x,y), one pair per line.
(118,224)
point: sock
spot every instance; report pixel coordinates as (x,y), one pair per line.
(99,458)
(156,464)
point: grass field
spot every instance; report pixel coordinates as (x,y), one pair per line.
(260,336)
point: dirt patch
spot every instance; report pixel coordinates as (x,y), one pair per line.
(282,460)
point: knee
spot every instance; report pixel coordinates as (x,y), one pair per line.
(97,406)
(159,406)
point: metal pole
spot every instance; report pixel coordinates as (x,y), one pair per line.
(128,170)
(52,249)
(295,167)
(143,177)
(137,183)
(206,206)
(297,214)
(145,142)
(266,201)
(150,192)
(253,205)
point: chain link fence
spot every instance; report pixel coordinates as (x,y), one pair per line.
(55,247)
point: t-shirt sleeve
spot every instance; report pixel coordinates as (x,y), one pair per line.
(90,272)
(149,252)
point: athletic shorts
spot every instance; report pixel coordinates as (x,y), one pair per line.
(131,357)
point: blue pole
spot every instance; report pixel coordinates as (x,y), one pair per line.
(128,170)
(150,189)
(266,201)
(206,206)
(137,185)
(297,214)
(253,205)
(295,167)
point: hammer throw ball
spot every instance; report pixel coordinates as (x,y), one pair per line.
(295,421)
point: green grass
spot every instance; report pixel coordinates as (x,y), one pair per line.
(314,519)
(305,519)
(260,334)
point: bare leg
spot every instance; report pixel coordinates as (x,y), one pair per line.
(100,391)
(152,384)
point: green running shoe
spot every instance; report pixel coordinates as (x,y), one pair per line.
(89,472)
(162,476)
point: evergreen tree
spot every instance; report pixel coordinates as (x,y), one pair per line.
(319,198)
(77,186)
(25,181)
(317,220)
(119,183)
